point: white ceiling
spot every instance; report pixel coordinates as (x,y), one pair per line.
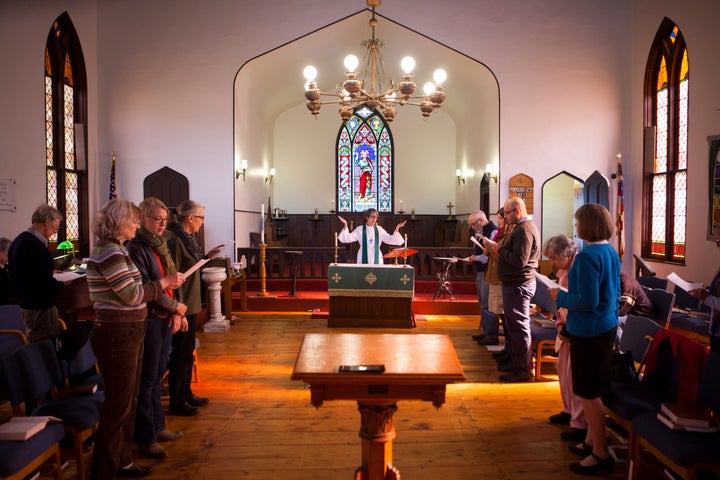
(277,75)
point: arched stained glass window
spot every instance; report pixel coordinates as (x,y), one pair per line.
(666,123)
(65,124)
(365,163)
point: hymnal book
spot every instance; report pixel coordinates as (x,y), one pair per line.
(543,322)
(76,391)
(687,414)
(548,282)
(22,428)
(677,426)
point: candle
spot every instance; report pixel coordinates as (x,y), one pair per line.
(332,204)
(406,241)
(335,239)
(262,223)
(400,205)
(412,213)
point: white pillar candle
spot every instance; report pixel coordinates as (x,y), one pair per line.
(335,239)
(406,241)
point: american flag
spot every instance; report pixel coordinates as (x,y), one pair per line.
(113,189)
(620,207)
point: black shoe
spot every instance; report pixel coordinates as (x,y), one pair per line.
(581,450)
(499,353)
(574,434)
(505,367)
(562,418)
(479,336)
(512,377)
(184,410)
(606,465)
(195,401)
(134,471)
(488,341)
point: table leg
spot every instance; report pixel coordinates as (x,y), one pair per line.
(377,431)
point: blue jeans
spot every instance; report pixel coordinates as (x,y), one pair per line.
(483,291)
(150,417)
(516,303)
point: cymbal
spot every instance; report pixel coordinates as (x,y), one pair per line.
(400,252)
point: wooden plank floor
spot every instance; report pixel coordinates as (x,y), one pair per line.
(260,425)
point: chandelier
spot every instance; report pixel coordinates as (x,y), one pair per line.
(374,86)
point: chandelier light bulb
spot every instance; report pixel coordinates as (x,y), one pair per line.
(407,64)
(351,63)
(310,73)
(429,88)
(439,76)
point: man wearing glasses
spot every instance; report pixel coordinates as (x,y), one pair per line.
(31,272)
(482,228)
(370,236)
(518,257)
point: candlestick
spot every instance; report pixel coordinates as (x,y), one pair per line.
(412,214)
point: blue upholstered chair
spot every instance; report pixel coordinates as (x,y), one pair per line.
(685,453)
(627,399)
(19,459)
(653,282)
(32,373)
(662,302)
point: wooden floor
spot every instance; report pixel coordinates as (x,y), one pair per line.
(260,425)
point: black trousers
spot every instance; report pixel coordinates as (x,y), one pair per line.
(181,363)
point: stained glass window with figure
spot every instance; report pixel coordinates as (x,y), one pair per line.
(365,163)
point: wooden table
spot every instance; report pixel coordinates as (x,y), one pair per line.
(417,367)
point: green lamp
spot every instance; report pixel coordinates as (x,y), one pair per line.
(65,246)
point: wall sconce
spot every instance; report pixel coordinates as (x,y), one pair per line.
(460,176)
(242,170)
(269,177)
(489,172)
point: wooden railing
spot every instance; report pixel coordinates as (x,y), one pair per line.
(314,261)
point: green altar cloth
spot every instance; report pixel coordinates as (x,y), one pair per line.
(352,280)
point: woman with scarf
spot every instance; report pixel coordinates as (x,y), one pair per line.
(166,315)
(185,250)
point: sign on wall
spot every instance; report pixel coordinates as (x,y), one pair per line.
(523,186)
(7,194)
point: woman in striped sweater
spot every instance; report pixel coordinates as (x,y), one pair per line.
(120,300)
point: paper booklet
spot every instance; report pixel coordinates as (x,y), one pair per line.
(548,282)
(195,267)
(687,286)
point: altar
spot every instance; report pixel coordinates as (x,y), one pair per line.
(377,296)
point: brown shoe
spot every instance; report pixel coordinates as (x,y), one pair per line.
(168,435)
(152,450)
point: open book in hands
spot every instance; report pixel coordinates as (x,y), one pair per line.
(548,282)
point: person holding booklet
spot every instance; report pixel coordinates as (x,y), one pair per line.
(711,299)
(117,338)
(592,302)
(187,219)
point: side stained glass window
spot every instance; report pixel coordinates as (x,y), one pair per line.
(665,178)
(365,163)
(65,114)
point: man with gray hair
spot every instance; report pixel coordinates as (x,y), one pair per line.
(31,274)
(481,228)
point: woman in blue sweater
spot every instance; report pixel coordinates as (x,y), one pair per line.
(592,302)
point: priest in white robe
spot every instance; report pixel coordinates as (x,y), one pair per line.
(370,236)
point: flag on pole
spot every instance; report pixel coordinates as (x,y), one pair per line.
(620,207)
(113,189)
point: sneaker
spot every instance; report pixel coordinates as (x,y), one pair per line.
(152,450)
(562,418)
(168,435)
(488,341)
(512,377)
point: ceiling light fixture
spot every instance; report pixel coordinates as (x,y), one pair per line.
(374,86)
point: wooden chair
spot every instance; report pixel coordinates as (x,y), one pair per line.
(32,373)
(543,338)
(18,460)
(687,454)
(663,303)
